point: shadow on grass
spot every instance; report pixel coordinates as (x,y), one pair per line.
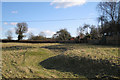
(56,48)
(17,47)
(82,66)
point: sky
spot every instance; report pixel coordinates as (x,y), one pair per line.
(48,17)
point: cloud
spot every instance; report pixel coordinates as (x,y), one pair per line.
(49,33)
(12,23)
(67,3)
(36,31)
(5,23)
(14,12)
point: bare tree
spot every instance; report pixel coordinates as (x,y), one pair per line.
(38,37)
(102,19)
(80,32)
(20,29)
(109,11)
(119,13)
(109,15)
(30,36)
(86,26)
(9,35)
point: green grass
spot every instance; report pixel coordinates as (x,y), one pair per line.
(54,60)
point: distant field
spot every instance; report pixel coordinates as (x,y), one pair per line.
(54,60)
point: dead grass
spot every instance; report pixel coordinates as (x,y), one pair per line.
(54,60)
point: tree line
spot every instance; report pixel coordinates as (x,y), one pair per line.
(109,16)
(62,34)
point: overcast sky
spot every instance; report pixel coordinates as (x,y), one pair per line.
(48,17)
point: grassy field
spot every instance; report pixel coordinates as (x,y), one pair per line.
(55,60)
